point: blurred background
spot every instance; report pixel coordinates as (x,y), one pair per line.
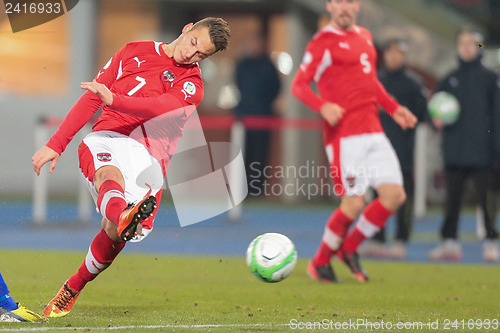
(41,68)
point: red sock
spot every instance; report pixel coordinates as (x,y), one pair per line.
(103,250)
(371,221)
(335,231)
(111,200)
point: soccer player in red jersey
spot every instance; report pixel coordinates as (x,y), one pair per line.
(148,90)
(341,60)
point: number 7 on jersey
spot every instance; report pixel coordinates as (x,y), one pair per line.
(142,83)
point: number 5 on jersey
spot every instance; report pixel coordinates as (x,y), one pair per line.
(142,83)
(367,67)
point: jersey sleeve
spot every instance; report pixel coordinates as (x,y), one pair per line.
(185,92)
(301,85)
(385,100)
(83,110)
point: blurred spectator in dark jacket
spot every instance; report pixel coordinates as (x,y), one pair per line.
(408,89)
(470,145)
(259,85)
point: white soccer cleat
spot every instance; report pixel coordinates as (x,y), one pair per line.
(449,250)
(490,251)
(373,249)
(397,251)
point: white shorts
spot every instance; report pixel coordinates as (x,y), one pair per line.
(361,161)
(141,172)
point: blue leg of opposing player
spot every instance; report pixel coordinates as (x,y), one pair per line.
(6,302)
(10,311)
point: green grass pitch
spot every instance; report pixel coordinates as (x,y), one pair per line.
(157,293)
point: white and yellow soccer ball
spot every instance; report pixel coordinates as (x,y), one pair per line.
(444,106)
(271,257)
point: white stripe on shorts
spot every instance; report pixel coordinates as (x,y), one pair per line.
(331,239)
(367,228)
(93,266)
(108,196)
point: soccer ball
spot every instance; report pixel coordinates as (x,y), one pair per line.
(271,257)
(444,106)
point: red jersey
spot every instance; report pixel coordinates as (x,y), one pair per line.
(343,65)
(146,85)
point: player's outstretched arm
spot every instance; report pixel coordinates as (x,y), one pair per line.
(301,84)
(404,117)
(76,118)
(44,155)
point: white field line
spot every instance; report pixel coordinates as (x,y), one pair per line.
(43,329)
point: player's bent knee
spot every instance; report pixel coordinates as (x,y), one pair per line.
(401,198)
(352,206)
(108,173)
(357,206)
(394,198)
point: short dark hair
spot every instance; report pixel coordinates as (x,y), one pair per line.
(478,36)
(219,32)
(401,43)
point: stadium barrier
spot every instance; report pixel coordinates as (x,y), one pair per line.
(237,128)
(45,126)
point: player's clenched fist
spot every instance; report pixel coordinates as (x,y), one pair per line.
(44,155)
(332,113)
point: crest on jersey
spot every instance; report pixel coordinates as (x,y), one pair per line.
(344,45)
(189,88)
(104,157)
(351,181)
(168,76)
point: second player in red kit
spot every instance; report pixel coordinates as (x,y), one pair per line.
(341,60)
